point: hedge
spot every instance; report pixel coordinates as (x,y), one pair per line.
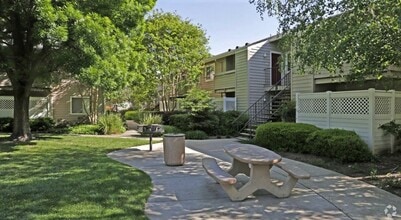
(181,121)
(346,146)
(133,115)
(196,135)
(284,136)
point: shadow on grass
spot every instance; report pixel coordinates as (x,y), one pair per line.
(7,146)
(71,178)
(47,137)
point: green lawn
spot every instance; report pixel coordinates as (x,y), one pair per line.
(70,177)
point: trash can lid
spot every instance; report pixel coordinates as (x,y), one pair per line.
(174,135)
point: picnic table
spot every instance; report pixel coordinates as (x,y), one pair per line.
(255,162)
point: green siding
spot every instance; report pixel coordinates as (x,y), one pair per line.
(224,81)
(301,84)
(242,90)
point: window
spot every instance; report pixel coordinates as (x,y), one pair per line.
(79,104)
(209,72)
(220,66)
(230,103)
(230,94)
(230,63)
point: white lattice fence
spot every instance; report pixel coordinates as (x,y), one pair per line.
(38,107)
(361,111)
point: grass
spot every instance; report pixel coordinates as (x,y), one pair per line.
(70,177)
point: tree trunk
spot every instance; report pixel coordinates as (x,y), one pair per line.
(21,128)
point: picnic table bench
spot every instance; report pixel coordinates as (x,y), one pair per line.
(255,162)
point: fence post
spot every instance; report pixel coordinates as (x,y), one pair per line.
(392,107)
(372,103)
(328,108)
(296,106)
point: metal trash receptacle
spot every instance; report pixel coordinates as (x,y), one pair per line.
(174,149)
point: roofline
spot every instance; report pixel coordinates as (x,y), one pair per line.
(232,51)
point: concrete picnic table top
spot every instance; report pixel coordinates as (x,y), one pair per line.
(248,153)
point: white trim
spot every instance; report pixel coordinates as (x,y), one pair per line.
(77,97)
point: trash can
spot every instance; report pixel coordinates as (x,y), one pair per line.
(174,149)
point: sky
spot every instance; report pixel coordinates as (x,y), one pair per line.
(228,23)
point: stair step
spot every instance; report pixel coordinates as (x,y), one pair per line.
(249,130)
(266,109)
(243,138)
(244,134)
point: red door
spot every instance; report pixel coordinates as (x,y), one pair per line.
(276,74)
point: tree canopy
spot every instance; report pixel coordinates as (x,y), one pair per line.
(176,50)
(98,42)
(329,33)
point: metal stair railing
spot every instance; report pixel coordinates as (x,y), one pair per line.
(259,107)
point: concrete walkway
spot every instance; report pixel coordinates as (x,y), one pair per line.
(187,192)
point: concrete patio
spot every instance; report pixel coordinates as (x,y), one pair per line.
(187,192)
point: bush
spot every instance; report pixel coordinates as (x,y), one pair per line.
(284,136)
(111,124)
(6,124)
(287,111)
(166,116)
(181,121)
(133,115)
(205,121)
(41,124)
(149,118)
(343,145)
(392,128)
(168,129)
(211,122)
(229,123)
(85,129)
(196,135)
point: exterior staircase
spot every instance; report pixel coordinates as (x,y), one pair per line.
(266,108)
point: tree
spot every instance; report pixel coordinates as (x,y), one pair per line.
(329,33)
(94,41)
(176,50)
(197,100)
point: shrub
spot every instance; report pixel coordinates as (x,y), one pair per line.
(166,116)
(196,135)
(168,129)
(287,111)
(181,121)
(111,124)
(392,128)
(133,115)
(6,124)
(230,122)
(85,129)
(205,121)
(41,124)
(149,118)
(343,145)
(284,136)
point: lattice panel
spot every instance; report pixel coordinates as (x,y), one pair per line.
(316,106)
(350,105)
(6,104)
(33,103)
(382,105)
(397,105)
